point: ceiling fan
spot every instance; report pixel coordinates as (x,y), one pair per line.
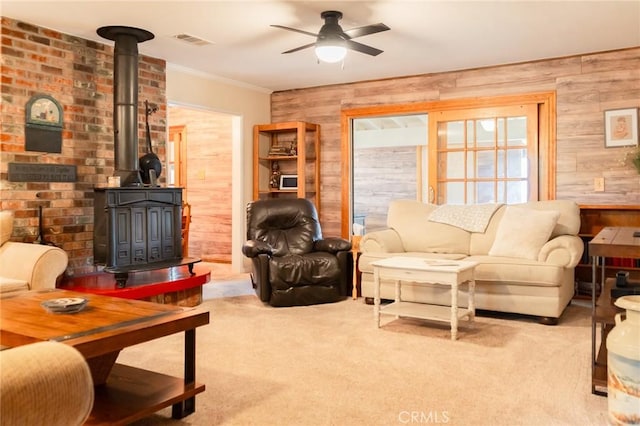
(332,41)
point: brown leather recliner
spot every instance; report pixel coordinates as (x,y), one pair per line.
(292,264)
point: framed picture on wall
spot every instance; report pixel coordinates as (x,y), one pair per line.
(621,127)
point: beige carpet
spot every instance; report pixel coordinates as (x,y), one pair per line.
(329,365)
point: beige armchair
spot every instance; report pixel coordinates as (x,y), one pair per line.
(44,383)
(26,266)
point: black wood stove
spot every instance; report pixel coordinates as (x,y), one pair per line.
(137,227)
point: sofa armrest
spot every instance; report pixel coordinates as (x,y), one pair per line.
(383,241)
(564,250)
(39,265)
(45,383)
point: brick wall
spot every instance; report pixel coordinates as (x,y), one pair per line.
(78,73)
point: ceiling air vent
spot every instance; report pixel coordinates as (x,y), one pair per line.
(196,41)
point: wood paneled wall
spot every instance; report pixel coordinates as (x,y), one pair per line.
(208,139)
(586,86)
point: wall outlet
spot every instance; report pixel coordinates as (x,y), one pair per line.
(598,184)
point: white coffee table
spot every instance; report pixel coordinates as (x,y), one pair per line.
(425,271)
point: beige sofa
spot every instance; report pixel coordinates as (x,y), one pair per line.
(527,253)
(26,266)
(45,383)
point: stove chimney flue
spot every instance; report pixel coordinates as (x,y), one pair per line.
(125,99)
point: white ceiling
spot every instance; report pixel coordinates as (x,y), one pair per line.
(425,36)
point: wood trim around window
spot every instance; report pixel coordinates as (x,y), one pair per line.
(546,102)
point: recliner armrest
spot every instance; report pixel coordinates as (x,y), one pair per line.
(332,245)
(254,248)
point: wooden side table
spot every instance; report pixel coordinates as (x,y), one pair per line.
(612,241)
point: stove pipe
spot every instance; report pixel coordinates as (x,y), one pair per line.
(125,99)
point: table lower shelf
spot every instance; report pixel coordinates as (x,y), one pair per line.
(132,393)
(423,311)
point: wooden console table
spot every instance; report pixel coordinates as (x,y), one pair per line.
(609,242)
(593,218)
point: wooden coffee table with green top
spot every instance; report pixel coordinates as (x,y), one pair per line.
(104,327)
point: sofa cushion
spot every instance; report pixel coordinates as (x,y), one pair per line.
(410,219)
(481,242)
(513,271)
(522,232)
(442,238)
(8,285)
(569,219)
(470,217)
(6,226)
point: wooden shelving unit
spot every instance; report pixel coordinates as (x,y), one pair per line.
(272,144)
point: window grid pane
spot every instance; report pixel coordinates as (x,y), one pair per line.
(483,161)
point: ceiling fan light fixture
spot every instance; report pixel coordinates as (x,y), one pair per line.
(332,41)
(331,53)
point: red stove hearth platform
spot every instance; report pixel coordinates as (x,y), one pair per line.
(169,285)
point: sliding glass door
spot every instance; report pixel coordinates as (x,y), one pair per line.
(389,160)
(466,151)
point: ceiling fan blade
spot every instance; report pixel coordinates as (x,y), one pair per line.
(299,48)
(295,30)
(362,48)
(366,30)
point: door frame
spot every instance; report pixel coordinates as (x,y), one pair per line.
(179,156)
(546,102)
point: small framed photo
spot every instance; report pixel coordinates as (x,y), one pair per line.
(621,127)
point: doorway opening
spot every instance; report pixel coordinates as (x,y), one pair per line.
(199,158)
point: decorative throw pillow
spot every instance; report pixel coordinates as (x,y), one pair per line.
(522,232)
